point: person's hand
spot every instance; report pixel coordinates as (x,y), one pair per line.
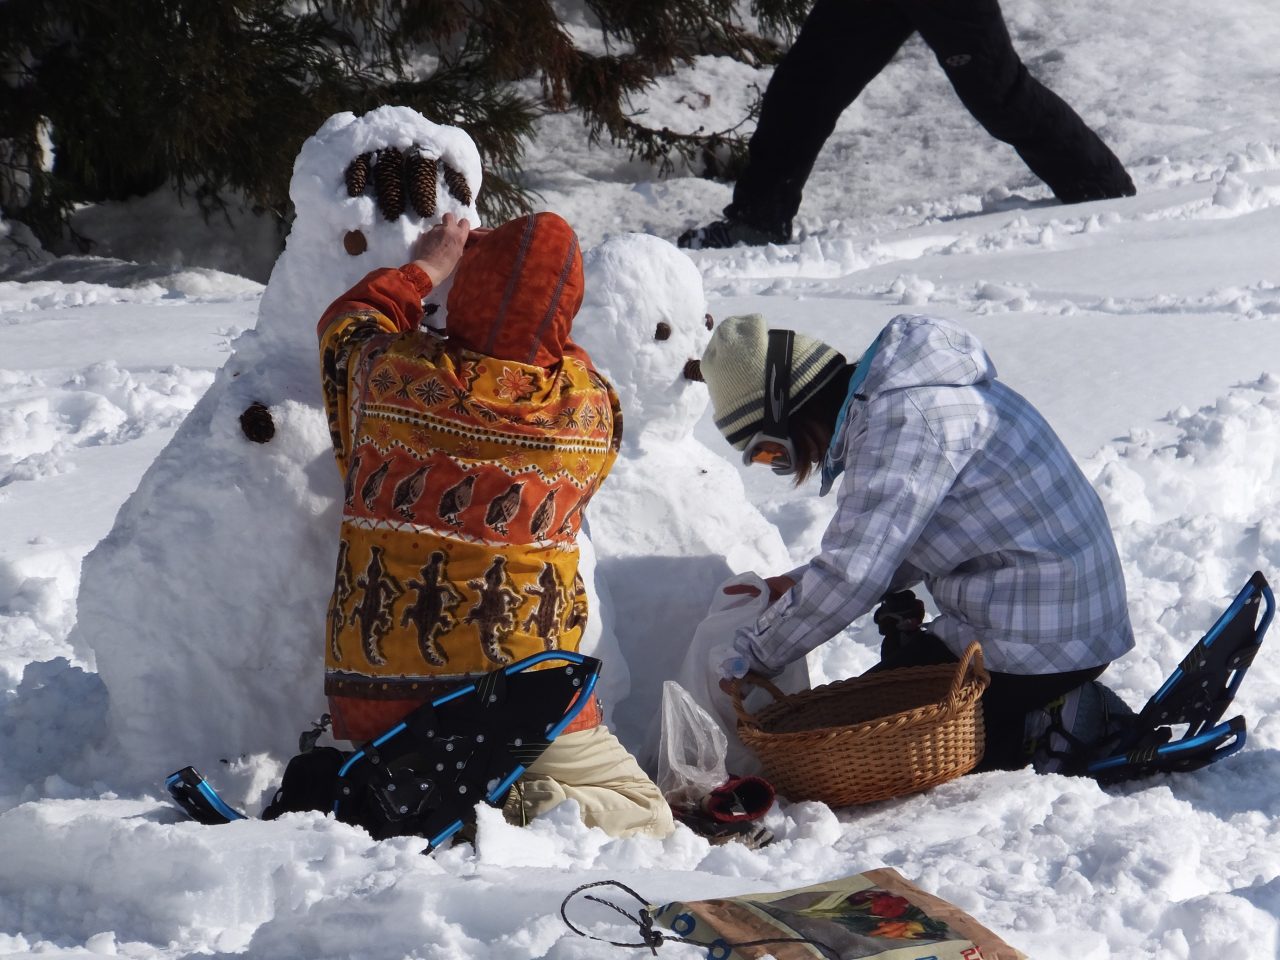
(438,251)
(476,235)
(777,587)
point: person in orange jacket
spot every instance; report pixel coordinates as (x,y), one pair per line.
(467,460)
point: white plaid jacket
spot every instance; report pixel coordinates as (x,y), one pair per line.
(952,479)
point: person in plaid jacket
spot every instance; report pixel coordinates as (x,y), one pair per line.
(945,477)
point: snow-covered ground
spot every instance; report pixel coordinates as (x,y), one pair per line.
(1147,330)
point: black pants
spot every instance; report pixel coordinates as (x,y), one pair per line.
(1006,702)
(845,43)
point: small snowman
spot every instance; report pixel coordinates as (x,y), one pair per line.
(672,522)
(204,608)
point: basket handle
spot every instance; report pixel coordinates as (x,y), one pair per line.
(970,664)
(751,679)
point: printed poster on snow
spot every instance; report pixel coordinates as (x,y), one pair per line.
(875,915)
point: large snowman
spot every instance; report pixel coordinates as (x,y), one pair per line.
(204,607)
(672,522)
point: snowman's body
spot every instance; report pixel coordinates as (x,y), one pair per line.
(204,607)
(672,522)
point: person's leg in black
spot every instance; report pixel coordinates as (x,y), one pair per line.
(1005,706)
(971,42)
(840,48)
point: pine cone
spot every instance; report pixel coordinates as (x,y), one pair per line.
(387,178)
(420,171)
(357,175)
(457,184)
(256,422)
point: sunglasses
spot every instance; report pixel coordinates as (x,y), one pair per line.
(771,443)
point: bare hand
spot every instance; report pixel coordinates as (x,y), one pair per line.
(438,251)
(476,235)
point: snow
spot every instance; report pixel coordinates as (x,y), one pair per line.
(1146,329)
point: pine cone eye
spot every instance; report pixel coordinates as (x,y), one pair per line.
(710,321)
(663,332)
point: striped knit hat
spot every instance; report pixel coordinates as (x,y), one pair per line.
(733,366)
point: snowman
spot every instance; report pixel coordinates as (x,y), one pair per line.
(203,609)
(672,522)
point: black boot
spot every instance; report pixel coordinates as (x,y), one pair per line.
(730,232)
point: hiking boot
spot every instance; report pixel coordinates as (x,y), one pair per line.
(1065,735)
(1084,191)
(729,233)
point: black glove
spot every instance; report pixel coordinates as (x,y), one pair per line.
(899,612)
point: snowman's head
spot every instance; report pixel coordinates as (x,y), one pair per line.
(364,188)
(643,320)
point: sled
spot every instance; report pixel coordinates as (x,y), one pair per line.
(1196,695)
(424,776)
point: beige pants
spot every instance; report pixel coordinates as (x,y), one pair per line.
(592,767)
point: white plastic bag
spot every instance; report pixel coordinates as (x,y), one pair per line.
(699,676)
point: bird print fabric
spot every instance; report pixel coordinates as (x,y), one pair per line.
(464,480)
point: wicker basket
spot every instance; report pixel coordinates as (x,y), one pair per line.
(871,737)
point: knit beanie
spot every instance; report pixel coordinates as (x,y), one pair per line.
(733,367)
(516,292)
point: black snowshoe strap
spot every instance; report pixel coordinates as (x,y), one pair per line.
(1162,754)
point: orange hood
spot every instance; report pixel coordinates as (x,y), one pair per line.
(516,292)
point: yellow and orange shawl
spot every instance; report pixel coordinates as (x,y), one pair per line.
(465,473)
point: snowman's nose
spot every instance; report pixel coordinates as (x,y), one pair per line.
(693,370)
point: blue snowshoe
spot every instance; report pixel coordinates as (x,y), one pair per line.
(197,797)
(1091,732)
(424,776)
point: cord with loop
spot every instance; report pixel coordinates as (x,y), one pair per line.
(653,939)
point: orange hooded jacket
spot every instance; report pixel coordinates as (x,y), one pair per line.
(467,460)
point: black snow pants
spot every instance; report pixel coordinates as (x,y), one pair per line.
(843,45)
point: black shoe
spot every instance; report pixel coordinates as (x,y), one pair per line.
(1083,191)
(729,233)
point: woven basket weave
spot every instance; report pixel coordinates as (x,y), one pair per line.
(872,737)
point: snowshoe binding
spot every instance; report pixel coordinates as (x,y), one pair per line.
(424,776)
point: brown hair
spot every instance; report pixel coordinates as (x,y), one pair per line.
(812,425)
